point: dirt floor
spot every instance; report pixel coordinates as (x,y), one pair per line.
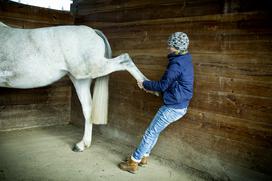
(45,154)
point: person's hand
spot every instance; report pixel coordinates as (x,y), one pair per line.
(140,84)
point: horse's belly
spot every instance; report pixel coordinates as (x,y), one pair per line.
(29,78)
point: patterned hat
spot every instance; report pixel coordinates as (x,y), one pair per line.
(179,41)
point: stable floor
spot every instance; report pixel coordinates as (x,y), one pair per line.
(45,154)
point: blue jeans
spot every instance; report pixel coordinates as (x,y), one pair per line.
(162,119)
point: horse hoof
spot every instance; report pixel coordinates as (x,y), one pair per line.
(76,149)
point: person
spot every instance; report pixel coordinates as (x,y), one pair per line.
(176,86)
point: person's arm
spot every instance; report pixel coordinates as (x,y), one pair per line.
(167,79)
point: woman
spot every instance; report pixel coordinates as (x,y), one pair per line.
(176,85)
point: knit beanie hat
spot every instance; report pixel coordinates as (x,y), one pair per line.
(179,41)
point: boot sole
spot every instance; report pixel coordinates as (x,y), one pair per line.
(140,164)
(130,171)
(133,172)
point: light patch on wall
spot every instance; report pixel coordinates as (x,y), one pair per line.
(63,5)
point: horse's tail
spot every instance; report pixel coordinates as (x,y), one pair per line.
(101,91)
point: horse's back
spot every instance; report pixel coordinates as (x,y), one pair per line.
(44,53)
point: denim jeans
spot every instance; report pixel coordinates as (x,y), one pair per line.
(162,119)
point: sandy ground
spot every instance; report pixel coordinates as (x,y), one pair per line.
(45,154)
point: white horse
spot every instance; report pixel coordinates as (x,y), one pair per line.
(31,58)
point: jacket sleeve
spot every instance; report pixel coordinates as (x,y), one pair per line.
(167,79)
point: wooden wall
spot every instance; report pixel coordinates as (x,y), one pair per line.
(228,130)
(41,106)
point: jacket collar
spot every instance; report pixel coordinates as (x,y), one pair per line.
(173,55)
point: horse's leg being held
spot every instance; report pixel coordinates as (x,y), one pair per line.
(82,87)
(124,62)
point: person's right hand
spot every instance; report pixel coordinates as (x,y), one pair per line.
(140,84)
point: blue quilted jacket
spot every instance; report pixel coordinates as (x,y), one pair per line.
(177,81)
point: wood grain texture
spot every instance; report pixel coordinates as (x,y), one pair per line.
(24,16)
(227,131)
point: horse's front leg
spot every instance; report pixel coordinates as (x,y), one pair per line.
(82,87)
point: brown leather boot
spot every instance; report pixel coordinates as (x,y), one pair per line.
(143,161)
(130,166)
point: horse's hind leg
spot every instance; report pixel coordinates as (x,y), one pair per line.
(121,63)
(124,62)
(82,87)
